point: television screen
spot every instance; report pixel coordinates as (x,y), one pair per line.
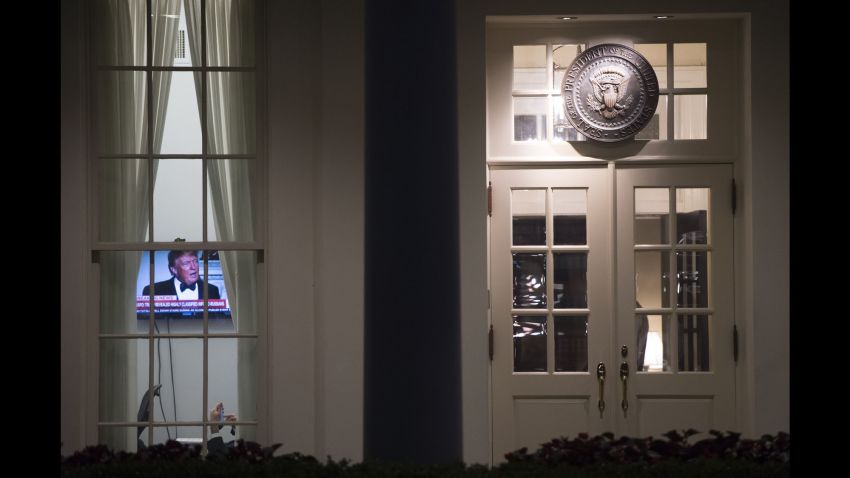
(178,286)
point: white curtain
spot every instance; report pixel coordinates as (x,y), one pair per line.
(122,109)
(231,130)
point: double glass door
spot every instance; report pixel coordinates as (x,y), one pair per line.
(611,302)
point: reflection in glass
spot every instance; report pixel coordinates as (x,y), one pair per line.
(529,343)
(562,57)
(530,118)
(564,131)
(652,279)
(653,343)
(690,116)
(570,281)
(569,210)
(529,280)
(692,278)
(656,55)
(693,343)
(657,126)
(692,215)
(177,200)
(571,344)
(529,67)
(118,293)
(690,65)
(123,190)
(652,211)
(528,208)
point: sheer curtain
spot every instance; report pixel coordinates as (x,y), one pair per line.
(230,130)
(122,110)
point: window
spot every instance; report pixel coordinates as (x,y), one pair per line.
(689,96)
(537,74)
(176,237)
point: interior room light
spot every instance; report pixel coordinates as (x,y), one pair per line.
(663,17)
(568,18)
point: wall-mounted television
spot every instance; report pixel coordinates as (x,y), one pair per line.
(178,286)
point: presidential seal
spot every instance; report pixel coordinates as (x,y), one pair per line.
(610,92)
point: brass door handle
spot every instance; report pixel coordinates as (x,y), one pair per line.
(624,377)
(600,377)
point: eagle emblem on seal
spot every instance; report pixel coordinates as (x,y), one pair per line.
(610,84)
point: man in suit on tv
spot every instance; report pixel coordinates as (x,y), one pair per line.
(185,281)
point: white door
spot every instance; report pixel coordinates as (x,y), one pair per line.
(578,280)
(551,305)
(675,300)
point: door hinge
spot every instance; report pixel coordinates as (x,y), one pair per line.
(490,342)
(734,196)
(735,342)
(490,199)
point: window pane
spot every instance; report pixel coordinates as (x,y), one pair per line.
(690,113)
(656,55)
(530,118)
(234,273)
(692,215)
(119,32)
(528,209)
(230,187)
(172,28)
(692,278)
(693,343)
(653,343)
(123,379)
(121,303)
(570,281)
(569,211)
(529,281)
(529,343)
(178,367)
(119,438)
(652,279)
(230,32)
(231,110)
(571,344)
(181,132)
(186,435)
(564,131)
(657,126)
(177,200)
(652,215)
(690,65)
(232,376)
(562,57)
(121,114)
(123,192)
(529,67)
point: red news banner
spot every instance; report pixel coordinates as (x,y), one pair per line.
(170,303)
